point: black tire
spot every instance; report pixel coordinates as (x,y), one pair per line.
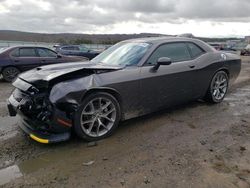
(80,132)
(10,73)
(209,95)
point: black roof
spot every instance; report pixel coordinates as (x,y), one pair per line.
(160,40)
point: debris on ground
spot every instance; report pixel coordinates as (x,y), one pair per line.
(203,142)
(122,182)
(89,163)
(242,148)
(104,158)
(146,180)
(92,144)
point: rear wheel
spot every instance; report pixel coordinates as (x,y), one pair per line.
(10,73)
(218,87)
(97,117)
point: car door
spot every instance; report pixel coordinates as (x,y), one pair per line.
(68,50)
(200,75)
(25,58)
(170,84)
(85,52)
(75,51)
(48,56)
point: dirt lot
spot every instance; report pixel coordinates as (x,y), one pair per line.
(195,145)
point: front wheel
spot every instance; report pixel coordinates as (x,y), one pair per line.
(218,87)
(97,117)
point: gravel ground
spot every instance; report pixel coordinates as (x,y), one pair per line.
(193,145)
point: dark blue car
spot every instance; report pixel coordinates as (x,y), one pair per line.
(77,50)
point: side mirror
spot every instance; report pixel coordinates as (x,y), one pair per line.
(59,56)
(162,61)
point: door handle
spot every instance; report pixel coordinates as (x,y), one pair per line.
(16,61)
(42,61)
(191,66)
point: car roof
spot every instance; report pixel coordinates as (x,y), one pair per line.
(26,46)
(73,45)
(161,40)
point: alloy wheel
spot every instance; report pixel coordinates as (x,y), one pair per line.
(98,117)
(219,86)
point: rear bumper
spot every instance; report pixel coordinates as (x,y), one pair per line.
(58,129)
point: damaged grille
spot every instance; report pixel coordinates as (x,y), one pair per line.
(35,106)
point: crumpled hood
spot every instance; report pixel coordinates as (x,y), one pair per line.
(50,72)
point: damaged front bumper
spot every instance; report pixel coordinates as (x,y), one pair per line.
(42,126)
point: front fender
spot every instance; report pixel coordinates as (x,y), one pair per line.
(72,91)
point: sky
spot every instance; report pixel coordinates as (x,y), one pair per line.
(204,18)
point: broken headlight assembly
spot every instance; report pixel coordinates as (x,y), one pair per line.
(33,104)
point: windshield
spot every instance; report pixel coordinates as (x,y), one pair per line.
(124,53)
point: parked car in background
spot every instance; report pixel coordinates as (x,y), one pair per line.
(216,46)
(130,79)
(14,60)
(246,51)
(77,50)
(229,50)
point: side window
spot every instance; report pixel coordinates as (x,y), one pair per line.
(71,48)
(175,51)
(67,48)
(15,53)
(84,49)
(75,48)
(27,52)
(43,52)
(196,51)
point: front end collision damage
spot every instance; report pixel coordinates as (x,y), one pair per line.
(62,89)
(39,116)
(47,106)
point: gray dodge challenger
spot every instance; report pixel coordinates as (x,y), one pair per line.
(130,79)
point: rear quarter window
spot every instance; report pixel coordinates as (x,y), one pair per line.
(195,50)
(15,53)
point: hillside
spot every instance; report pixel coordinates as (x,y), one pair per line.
(69,37)
(74,38)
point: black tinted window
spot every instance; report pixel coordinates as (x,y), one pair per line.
(27,52)
(67,48)
(175,51)
(43,52)
(73,48)
(195,50)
